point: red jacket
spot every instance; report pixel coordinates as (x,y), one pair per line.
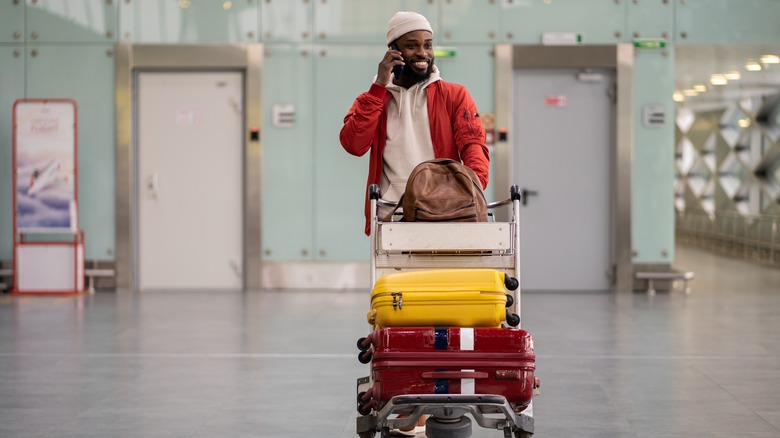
(456,130)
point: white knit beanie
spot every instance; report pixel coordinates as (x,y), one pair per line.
(403,22)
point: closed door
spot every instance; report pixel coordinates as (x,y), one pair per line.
(564,125)
(189,180)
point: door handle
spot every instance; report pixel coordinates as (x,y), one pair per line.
(152,184)
(525,193)
(233,262)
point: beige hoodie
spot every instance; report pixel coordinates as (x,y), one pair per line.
(408,135)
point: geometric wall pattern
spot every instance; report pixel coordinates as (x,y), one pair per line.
(727,177)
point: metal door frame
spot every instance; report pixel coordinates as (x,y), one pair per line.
(618,57)
(131,59)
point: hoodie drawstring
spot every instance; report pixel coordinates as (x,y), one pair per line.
(399,92)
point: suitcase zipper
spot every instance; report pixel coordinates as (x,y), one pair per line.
(398,297)
(398,300)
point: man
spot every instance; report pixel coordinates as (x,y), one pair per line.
(409,114)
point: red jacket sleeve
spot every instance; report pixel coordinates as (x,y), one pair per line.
(478,159)
(470,137)
(360,123)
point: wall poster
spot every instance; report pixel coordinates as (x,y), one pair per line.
(45,165)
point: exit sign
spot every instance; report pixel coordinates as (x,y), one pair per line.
(445,52)
(649,43)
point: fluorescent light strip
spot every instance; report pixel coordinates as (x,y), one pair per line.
(718,80)
(770,59)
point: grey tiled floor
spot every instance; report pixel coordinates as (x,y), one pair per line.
(283,364)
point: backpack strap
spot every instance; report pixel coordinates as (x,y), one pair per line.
(389,217)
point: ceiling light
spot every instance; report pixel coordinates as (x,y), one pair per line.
(753,66)
(700,88)
(227,5)
(718,80)
(733,75)
(743,123)
(184,4)
(678,97)
(770,59)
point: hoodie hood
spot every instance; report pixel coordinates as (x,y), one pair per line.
(415,92)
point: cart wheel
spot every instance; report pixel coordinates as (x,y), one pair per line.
(385,433)
(512,319)
(362,345)
(367,435)
(523,434)
(365,356)
(364,410)
(511,283)
(460,428)
(510,300)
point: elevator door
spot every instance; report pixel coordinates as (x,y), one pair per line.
(563,137)
(189,180)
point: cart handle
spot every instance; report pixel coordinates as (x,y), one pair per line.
(515,193)
(373,192)
(386,203)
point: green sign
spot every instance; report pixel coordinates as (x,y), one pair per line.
(650,44)
(444,52)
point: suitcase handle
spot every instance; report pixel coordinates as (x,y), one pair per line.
(371,317)
(454,375)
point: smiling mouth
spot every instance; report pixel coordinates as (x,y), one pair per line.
(422,65)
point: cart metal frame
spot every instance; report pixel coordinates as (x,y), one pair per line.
(402,246)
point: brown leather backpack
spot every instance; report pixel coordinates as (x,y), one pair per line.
(442,190)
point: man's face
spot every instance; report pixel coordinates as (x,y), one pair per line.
(417,50)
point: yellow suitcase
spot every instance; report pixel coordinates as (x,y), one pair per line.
(441,298)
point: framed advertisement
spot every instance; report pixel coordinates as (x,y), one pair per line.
(44,156)
(45,198)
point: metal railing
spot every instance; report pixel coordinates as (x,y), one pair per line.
(755,238)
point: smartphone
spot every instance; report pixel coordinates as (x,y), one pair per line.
(398,70)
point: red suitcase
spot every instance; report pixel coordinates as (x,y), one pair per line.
(406,360)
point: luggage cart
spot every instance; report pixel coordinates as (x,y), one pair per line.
(404,246)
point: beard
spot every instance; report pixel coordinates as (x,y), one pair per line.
(419,77)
